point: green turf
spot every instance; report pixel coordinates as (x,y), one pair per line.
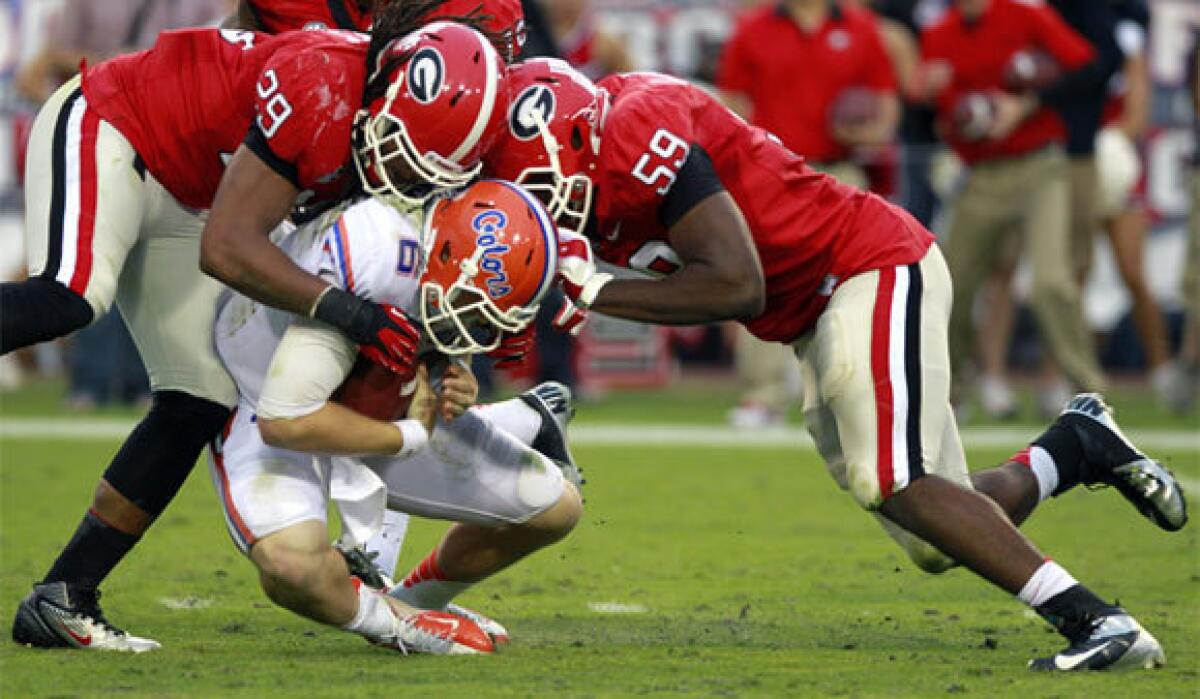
(757,577)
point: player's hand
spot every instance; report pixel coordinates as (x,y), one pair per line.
(570,318)
(460,391)
(514,348)
(577,270)
(424,405)
(384,334)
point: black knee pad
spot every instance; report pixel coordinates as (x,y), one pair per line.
(161,451)
(39,309)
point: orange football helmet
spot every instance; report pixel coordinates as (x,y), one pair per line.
(491,256)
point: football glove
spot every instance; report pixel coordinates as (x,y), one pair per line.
(384,334)
(570,318)
(577,270)
(513,349)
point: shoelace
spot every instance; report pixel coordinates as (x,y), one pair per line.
(87,605)
(437,640)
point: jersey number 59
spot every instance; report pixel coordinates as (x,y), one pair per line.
(664,146)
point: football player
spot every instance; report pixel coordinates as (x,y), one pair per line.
(663,179)
(224,132)
(475,268)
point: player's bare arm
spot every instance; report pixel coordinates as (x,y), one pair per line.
(311,362)
(721,278)
(235,248)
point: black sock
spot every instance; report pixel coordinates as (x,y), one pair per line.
(1072,610)
(1062,444)
(37,310)
(93,551)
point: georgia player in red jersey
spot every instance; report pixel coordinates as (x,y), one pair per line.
(741,229)
(247,126)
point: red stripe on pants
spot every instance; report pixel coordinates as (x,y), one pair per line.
(86,226)
(881,336)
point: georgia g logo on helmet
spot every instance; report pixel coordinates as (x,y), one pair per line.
(536,101)
(426,75)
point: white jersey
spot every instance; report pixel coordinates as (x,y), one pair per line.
(369,249)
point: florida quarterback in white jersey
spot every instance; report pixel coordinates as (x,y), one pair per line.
(473,268)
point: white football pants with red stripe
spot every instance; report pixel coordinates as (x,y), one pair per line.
(99,224)
(876,373)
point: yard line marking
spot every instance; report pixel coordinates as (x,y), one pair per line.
(616,608)
(621,434)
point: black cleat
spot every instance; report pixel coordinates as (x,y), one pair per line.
(1109,458)
(1111,641)
(58,615)
(552,400)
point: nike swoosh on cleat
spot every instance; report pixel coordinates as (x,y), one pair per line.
(62,624)
(1073,662)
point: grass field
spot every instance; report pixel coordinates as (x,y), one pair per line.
(741,570)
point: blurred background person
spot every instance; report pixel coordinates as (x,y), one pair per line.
(816,74)
(102,361)
(1190,353)
(581,40)
(1012,144)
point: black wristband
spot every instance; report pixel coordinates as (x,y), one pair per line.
(348,313)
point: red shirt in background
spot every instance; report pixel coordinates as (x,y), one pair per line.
(792,77)
(979,51)
(275,16)
(811,231)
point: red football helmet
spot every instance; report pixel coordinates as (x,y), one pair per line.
(433,105)
(491,255)
(552,140)
(504,21)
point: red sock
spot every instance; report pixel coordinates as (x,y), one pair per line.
(425,571)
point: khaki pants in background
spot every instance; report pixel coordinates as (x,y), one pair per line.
(766,372)
(1084,217)
(1029,195)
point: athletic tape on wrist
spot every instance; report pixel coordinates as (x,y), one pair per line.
(414,434)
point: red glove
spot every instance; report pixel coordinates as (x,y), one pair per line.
(514,348)
(570,318)
(394,342)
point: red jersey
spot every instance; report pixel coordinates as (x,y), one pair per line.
(187,104)
(979,52)
(275,16)
(793,78)
(811,231)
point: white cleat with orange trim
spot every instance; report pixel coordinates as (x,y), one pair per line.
(438,633)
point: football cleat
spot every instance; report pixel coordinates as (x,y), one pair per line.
(438,633)
(1113,641)
(58,615)
(552,400)
(362,566)
(494,629)
(1110,458)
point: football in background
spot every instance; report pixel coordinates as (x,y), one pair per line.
(854,107)
(375,391)
(973,116)
(1031,69)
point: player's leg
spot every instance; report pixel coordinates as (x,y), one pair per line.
(509,499)
(88,202)
(537,418)
(275,504)
(899,461)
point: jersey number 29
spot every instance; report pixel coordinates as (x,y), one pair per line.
(664,145)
